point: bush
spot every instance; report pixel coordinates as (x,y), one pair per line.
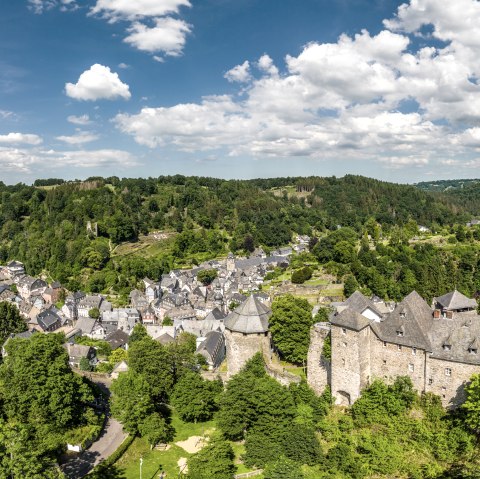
(301,275)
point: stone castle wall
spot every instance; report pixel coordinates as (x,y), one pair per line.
(242,347)
(359,357)
(449,385)
(350,364)
(318,370)
(390,361)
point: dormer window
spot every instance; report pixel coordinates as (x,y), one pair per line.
(447,347)
(473,350)
(399,332)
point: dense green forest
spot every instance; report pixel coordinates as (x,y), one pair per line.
(446,185)
(45,226)
(291,433)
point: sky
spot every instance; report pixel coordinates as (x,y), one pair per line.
(239,89)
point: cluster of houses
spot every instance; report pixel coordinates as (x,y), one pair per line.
(178,302)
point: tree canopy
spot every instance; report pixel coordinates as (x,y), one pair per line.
(290,325)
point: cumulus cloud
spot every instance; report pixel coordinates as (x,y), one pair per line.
(79,120)
(28,160)
(362,97)
(127,9)
(79,138)
(40,6)
(96,158)
(152,28)
(20,138)
(98,83)
(265,64)
(168,36)
(239,73)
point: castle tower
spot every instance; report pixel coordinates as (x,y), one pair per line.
(319,368)
(230,262)
(246,333)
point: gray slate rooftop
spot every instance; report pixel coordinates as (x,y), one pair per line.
(250,317)
(456,301)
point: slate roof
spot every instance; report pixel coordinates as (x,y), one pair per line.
(408,324)
(248,263)
(213,347)
(86,325)
(215,314)
(48,318)
(250,317)
(349,318)
(456,301)
(359,303)
(76,351)
(165,338)
(117,339)
(461,333)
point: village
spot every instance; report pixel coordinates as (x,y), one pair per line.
(178,302)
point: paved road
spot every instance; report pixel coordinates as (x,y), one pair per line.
(111,438)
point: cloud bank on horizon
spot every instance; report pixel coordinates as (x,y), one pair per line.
(407,97)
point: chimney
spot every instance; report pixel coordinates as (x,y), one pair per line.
(449,314)
(436,314)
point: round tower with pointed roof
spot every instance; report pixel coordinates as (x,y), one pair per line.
(246,333)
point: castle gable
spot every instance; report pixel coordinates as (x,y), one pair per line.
(362,305)
(407,324)
(349,318)
(457,339)
(455,301)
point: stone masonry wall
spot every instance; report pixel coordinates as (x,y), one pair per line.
(241,347)
(346,376)
(449,385)
(318,368)
(389,361)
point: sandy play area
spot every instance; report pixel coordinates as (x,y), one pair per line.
(192,445)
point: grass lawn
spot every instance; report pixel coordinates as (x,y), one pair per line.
(154,461)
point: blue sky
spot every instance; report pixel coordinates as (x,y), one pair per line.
(239,89)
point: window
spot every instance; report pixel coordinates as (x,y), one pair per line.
(343,362)
(384,361)
(411,367)
(384,344)
(414,351)
(448,372)
(430,381)
(344,331)
(344,344)
(399,347)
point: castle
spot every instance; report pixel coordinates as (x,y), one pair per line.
(437,346)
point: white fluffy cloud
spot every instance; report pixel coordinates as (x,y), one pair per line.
(40,6)
(239,73)
(360,98)
(153,29)
(20,138)
(167,36)
(79,138)
(79,120)
(132,9)
(98,83)
(28,160)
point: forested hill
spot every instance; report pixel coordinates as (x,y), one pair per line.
(464,193)
(45,226)
(446,185)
